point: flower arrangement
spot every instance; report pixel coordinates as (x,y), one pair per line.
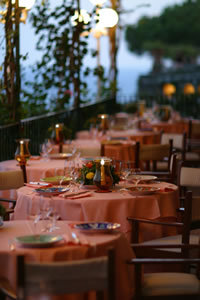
(88,170)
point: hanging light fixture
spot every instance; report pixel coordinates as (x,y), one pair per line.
(168,89)
(108,17)
(82,17)
(188,89)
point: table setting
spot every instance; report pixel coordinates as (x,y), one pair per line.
(67,243)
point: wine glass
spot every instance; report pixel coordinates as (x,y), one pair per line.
(53,216)
(137,173)
(124,173)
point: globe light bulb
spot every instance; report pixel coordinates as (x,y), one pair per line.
(108,17)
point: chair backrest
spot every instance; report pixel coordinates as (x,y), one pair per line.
(179,142)
(189,179)
(11,179)
(164,286)
(152,153)
(59,278)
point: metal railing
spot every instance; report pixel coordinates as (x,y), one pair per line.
(36,128)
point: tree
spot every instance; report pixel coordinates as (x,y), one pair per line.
(174,34)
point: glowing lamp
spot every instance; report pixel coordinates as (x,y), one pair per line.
(108,17)
(169,89)
(188,89)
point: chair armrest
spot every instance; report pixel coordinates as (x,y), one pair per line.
(140,220)
(8,201)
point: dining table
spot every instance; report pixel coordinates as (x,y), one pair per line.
(114,205)
(143,136)
(63,247)
(36,169)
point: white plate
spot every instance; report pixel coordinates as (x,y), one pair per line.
(38,241)
(97,227)
(144,178)
(142,190)
(56,180)
(60,155)
(52,191)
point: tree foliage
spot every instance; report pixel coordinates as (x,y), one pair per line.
(174,34)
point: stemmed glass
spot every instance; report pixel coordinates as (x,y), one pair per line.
(53,216)
(45,149)
(137,173)
(124,173)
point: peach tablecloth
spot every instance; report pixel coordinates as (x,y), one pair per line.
(86,147)
(36,169)
(171,127)
(95,245)
(111,207)
(144,137)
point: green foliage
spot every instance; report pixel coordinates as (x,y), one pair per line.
(58,75)
(175,33)
(88,170)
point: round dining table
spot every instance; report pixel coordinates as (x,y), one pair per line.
(67,249)
(144,137)
(114,206)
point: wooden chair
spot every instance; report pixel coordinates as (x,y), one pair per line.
(174,284)
(60,278)
(169,175)
(179,143)
(184,237)
(188,178)
(147,156)
(10,180)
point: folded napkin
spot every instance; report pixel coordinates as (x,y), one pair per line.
(35,157)
(168,189)
(76,195)
(74,238)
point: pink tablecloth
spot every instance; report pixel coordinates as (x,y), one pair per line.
(97,245)
(86,147)
(144,137)
(111,207)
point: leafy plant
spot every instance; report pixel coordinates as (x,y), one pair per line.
(88,170)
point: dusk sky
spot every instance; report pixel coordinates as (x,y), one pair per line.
(127,62)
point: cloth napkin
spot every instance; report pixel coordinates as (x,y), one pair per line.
(169,188)
(76,195)
(35,157)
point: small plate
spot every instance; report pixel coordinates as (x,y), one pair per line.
(36,184)
(56,180)
(97,227)
(60,155)
(144,178)
(38,240)
(142,190)
(52,191)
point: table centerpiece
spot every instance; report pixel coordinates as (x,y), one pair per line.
(88,170)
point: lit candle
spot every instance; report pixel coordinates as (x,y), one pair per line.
(22,148)
(103,178)
(57,132)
